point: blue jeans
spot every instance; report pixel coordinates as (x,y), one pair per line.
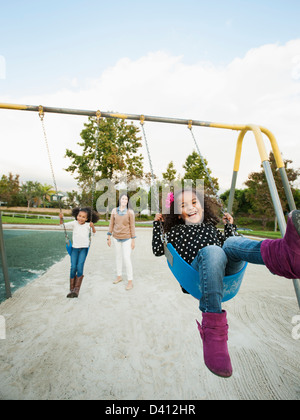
(78,257)
(214,262)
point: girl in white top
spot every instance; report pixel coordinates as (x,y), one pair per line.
(82,227)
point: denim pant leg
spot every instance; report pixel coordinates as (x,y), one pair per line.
(78,257)
(238,250)
(74,260)
(210,263)
(81,260)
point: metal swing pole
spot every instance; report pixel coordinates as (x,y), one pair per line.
(257,131)
(4,261)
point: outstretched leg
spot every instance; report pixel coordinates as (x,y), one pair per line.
(281,256)
(239,249)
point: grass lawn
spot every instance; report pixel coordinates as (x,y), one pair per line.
(263,234)
(40,221)
(45,221)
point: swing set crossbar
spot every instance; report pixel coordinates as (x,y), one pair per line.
(133,117)
(243,128)
(258,132)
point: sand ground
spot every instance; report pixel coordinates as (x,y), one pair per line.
(111,344)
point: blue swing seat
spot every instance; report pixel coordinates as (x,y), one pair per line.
(69,247)
(188,277)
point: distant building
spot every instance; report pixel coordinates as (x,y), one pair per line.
(56,197)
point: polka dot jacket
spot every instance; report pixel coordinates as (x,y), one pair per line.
(189,239)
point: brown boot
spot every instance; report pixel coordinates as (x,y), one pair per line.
(72,285)
(77,287)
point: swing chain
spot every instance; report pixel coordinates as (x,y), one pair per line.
(163,235)
(96,137)
(208,175)
(151,166)
(206,169)
(41,115)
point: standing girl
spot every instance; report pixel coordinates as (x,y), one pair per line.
(122,228)
(192,231)
(82,227)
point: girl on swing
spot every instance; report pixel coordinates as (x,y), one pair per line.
(82,226)
(191,229)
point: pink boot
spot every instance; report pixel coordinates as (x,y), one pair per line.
(214,334)
(282,256)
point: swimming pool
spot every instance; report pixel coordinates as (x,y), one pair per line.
(29,254)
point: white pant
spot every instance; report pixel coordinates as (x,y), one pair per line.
(123,251)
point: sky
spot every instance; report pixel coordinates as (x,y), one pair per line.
(233,62)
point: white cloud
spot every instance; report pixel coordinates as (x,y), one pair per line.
(263,87)
(296,67)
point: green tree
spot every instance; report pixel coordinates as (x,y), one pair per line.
(194,170)
(9,189)
(30,190)
(73,199)
(116,155)
(297,198)
(170,173)
(240,204)
(258,194)
(44,193)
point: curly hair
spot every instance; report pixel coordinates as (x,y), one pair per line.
(211,210)
(92,215)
